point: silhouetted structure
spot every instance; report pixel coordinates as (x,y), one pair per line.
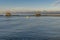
(8,14)
(38,13)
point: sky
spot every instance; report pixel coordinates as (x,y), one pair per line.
(29,5)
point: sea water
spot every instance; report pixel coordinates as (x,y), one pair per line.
(31,28)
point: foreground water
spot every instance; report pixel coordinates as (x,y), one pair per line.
(32,28)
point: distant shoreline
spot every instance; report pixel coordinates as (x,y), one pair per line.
(31,15)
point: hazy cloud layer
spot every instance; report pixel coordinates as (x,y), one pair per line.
(56,3)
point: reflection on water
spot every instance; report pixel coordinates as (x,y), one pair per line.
(32,28)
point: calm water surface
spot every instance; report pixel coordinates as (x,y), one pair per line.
(32,28)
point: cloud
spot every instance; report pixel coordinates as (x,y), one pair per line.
(22,9)
(56,3)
